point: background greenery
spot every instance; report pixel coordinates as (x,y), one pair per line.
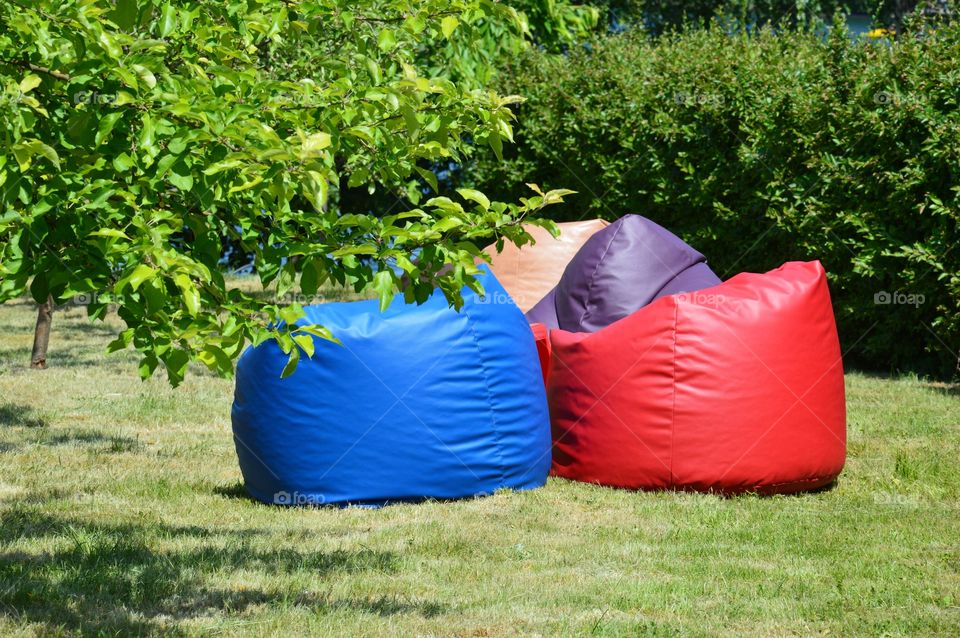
(765,147)
(151,144)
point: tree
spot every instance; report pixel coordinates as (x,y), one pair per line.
(143,136)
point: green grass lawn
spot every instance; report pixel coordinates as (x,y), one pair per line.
(123,513)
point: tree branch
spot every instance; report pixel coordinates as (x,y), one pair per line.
(37,69)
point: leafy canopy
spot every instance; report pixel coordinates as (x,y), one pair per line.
(145,138)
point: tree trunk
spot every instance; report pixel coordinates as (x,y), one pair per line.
(41,335)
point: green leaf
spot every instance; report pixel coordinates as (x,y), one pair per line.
(109,45)
(309,279)
(109,232)
(247,185)
(49,153)
(316,189)
(446,204)
(40,289)
(189,292)
(24,157)
(383,284)
(147,131)
(448,25)
(292,361)
(314,144)
(147,365)
(168,20)
(225,165)
(125,14)
(107,122)
(215,359)
(184,181)
(556,196)
(430,178)
(359,176)
(305,341)
(26,151)
(386,40)
(123,162)
(362,249)
(146,75)
(176,362)
(291,314)
(475,196)
(127,77)
(319,331)
(122,342)
(136,278)
(376,74)
(29,83)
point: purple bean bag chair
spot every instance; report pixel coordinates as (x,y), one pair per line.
(619,270)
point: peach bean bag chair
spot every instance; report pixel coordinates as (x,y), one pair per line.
(530,272)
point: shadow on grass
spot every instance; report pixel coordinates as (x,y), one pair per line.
(65,357)
(86,356)
(20,416)
(124,579)
(39,434)
(104,442)
(234,491)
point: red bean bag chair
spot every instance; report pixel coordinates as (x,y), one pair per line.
(734,388)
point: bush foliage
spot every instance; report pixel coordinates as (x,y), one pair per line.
(766,148)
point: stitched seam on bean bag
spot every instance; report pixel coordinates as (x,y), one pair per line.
(702,260)
(673,378)
(498,443)
(593,276)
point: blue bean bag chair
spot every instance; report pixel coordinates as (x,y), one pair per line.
(419,402)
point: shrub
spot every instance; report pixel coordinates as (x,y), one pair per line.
(764,149)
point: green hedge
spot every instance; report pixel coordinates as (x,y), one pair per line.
(764,149)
